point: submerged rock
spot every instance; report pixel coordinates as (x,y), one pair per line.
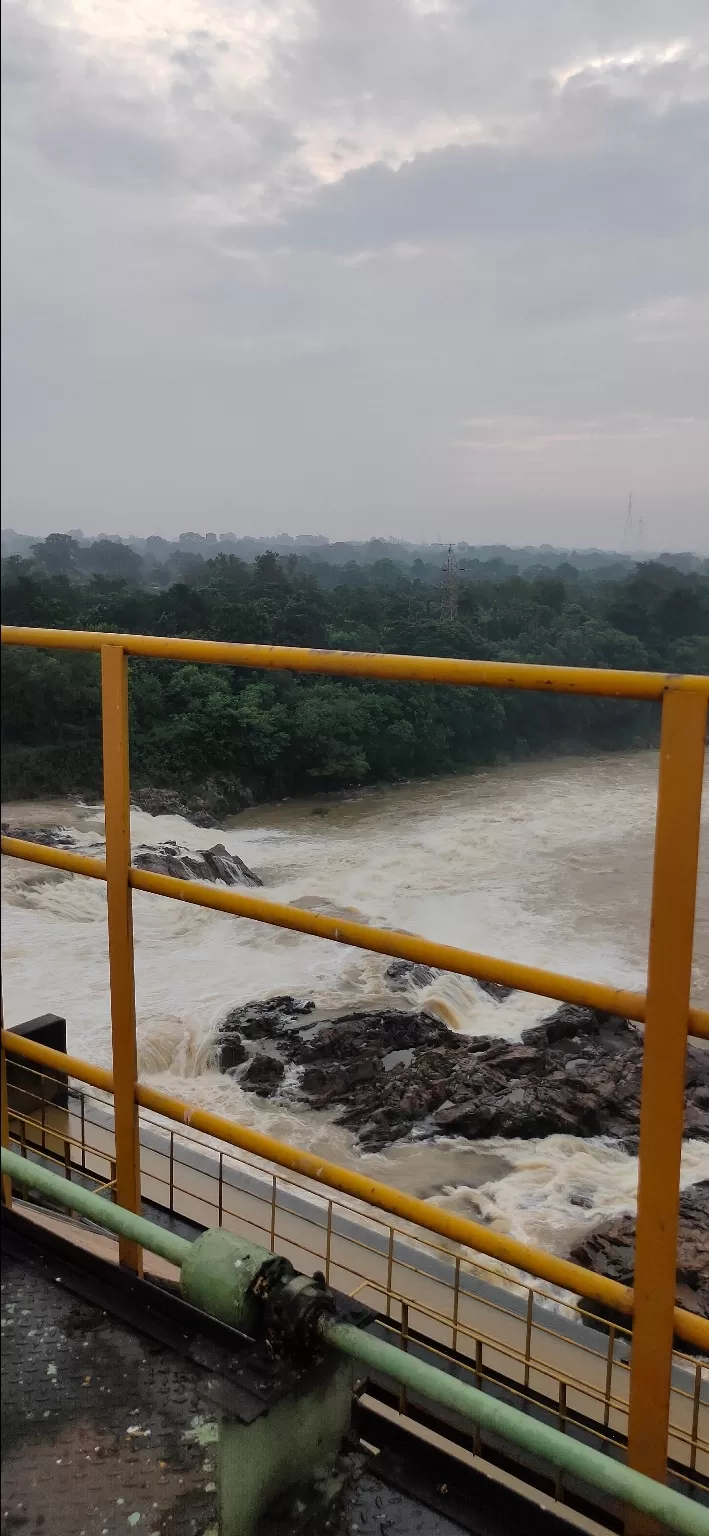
(576,1072)
(402,974)
(610,1250)
(496,989)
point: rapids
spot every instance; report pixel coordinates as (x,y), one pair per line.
(548,863)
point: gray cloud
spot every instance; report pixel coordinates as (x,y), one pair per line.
(365,267)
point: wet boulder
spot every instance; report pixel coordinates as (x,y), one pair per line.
(209,864)
(49,837)
(610,1250)
(262,1075)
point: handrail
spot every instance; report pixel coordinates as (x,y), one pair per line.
(665,1010)
(599,682)
(383,941)
(688,1326)
(511,1424)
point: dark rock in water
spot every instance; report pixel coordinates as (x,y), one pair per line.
(467,1119)
(204,807)
(401,974)
(159,802)
(262,1075)
(496,989)
(569,1022)
(696,1122)
(265,1020)
(610,1250)
(49,837)
(231,1054)
(208,864)
(577,1072)
(322,1084)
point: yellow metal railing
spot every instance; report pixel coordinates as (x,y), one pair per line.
(665,1010)
(446,1224)
(487,1322)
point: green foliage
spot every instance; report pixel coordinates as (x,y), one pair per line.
(281,733)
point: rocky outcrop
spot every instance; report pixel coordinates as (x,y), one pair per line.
(391,1073)
(204,807)
(209,864)
(610,1250)
(49,837)
(257,1021)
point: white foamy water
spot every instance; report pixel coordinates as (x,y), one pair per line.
(544,863)
(559,1187)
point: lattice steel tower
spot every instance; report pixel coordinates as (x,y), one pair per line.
(449,588)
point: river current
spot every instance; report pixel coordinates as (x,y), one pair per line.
(548,863)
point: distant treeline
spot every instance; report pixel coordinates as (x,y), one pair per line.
(157,562)
(265,735)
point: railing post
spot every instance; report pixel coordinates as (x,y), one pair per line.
(662,1110)
(116,789)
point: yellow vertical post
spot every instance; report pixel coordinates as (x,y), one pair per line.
(662,1109)
(116,790)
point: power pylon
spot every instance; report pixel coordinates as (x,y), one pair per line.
(628,529)
(449,588)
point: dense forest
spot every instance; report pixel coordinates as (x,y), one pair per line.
(237,735)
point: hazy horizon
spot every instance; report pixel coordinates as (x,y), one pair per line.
(425,269)
(304,541)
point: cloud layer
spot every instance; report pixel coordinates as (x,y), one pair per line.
(426,268)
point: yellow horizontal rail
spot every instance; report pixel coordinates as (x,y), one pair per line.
(383,941)
(54,858)
(458,1229)
(601,682)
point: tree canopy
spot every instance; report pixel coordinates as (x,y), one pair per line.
(269,735)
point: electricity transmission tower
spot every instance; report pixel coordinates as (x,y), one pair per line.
(628,529)
(449,588)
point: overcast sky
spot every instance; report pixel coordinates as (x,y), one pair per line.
(435,269)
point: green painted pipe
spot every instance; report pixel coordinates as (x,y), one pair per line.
(594,1467)
(217,1270)
(115,1217)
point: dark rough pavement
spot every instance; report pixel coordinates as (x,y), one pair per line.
(104,1432)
